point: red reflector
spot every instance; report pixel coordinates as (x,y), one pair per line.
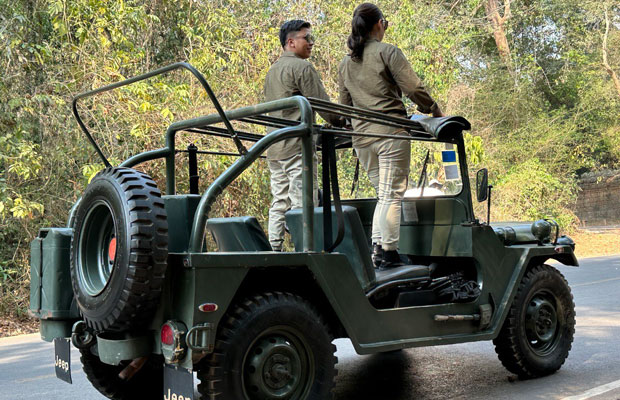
(167,334)
(112,249)
(208,307)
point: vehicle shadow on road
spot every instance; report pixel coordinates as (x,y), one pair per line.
(378,376)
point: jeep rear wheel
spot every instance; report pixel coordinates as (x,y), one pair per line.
(272,346)
(119,249)
(147,383)
(538,332)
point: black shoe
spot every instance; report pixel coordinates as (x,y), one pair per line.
(377,255)
(391,259)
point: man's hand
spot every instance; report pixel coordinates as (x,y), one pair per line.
(437,112)
(339,122)
(346,123)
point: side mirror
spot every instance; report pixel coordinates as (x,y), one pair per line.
(482,184)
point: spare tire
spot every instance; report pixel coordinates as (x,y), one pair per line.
(119,250)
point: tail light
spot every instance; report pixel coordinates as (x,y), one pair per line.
(173,345)
(167,334)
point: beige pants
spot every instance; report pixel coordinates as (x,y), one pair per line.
(286,189)
(387,162)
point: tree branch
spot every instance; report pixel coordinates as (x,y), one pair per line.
(608,68)
(507,13)
(454,5)
(497,26)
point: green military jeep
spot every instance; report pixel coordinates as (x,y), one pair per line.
(130,282)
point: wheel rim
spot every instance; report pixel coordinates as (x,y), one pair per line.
(97,249)
(278,365)
(542,325)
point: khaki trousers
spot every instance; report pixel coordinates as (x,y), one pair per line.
(387,162)
(286,191)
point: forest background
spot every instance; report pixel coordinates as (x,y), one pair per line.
(538,79)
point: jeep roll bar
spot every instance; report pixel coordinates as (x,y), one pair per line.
(426,129)
(302,129)
(148,75)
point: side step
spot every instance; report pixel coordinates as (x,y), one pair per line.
(484,317)
(457,317)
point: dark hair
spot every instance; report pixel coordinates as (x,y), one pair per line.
(294,25)
(365,16)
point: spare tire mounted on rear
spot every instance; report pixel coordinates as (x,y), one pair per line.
(119,250)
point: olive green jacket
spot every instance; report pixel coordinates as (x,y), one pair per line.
(289,76)
(377,83)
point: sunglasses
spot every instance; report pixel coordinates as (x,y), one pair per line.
(385,23)
(308,38)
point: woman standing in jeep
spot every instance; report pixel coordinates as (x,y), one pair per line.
(374,76)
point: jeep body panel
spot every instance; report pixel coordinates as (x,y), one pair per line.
(215,277)
(428,227)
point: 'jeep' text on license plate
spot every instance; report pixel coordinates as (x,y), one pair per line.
(178,384)
(62,359)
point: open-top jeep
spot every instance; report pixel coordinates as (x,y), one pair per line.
(130,281)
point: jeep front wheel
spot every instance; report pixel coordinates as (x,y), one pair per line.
(538,332)
(271,346)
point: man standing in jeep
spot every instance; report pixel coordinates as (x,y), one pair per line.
(292,74)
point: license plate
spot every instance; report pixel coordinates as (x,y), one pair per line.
(178,383)
(62,359)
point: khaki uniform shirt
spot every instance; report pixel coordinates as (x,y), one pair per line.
(377,83)
(290,76)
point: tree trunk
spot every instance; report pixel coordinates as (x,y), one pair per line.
(497,24)
(610,71)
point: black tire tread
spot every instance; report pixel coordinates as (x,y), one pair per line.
(211,371)
(507,344)
(146,384)
(148,246)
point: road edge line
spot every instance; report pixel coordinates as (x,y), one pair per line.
(595,391)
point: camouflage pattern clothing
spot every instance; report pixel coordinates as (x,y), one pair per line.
(286,191)
(377,83)
(387,163)
(289,76)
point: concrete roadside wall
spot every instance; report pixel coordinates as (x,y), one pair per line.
(598,202)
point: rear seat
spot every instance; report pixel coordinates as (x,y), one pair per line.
(238,234)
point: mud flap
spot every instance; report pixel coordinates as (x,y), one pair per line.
(178,383)
(62,359)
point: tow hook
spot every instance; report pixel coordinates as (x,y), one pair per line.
(82,336)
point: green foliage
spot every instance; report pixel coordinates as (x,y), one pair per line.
(474,148)
(529,192)
(555,116)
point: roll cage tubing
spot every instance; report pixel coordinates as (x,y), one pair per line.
(148,75)
(285,129)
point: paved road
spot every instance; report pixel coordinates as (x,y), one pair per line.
(466,371)
(599,228)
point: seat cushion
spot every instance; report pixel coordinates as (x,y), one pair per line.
(238,234)
(406,272)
